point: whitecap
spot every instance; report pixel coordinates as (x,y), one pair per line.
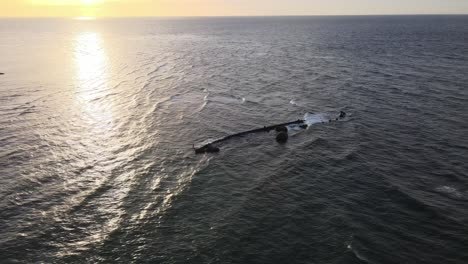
(356,253)
(310,118)
(450,191)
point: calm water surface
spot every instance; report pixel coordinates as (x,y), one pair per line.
(97,121)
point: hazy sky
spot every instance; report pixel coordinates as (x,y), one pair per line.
(37,8)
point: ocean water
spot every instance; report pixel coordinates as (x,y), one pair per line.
(98,119)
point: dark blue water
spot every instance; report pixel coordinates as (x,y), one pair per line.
(98,118)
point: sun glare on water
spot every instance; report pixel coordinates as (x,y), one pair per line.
(91,78)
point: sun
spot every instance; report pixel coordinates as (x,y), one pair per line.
(89,2)
(66,2)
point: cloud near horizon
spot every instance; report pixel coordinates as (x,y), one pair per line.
(118,8)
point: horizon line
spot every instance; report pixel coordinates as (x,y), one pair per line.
(233,16)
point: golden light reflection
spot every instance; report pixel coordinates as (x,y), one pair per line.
(84,18)
(92,78)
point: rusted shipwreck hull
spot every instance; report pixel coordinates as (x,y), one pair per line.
(282,136)
(211,148)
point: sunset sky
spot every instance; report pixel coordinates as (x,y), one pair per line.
(117,8)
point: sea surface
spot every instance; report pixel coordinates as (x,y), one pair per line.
(98,119)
